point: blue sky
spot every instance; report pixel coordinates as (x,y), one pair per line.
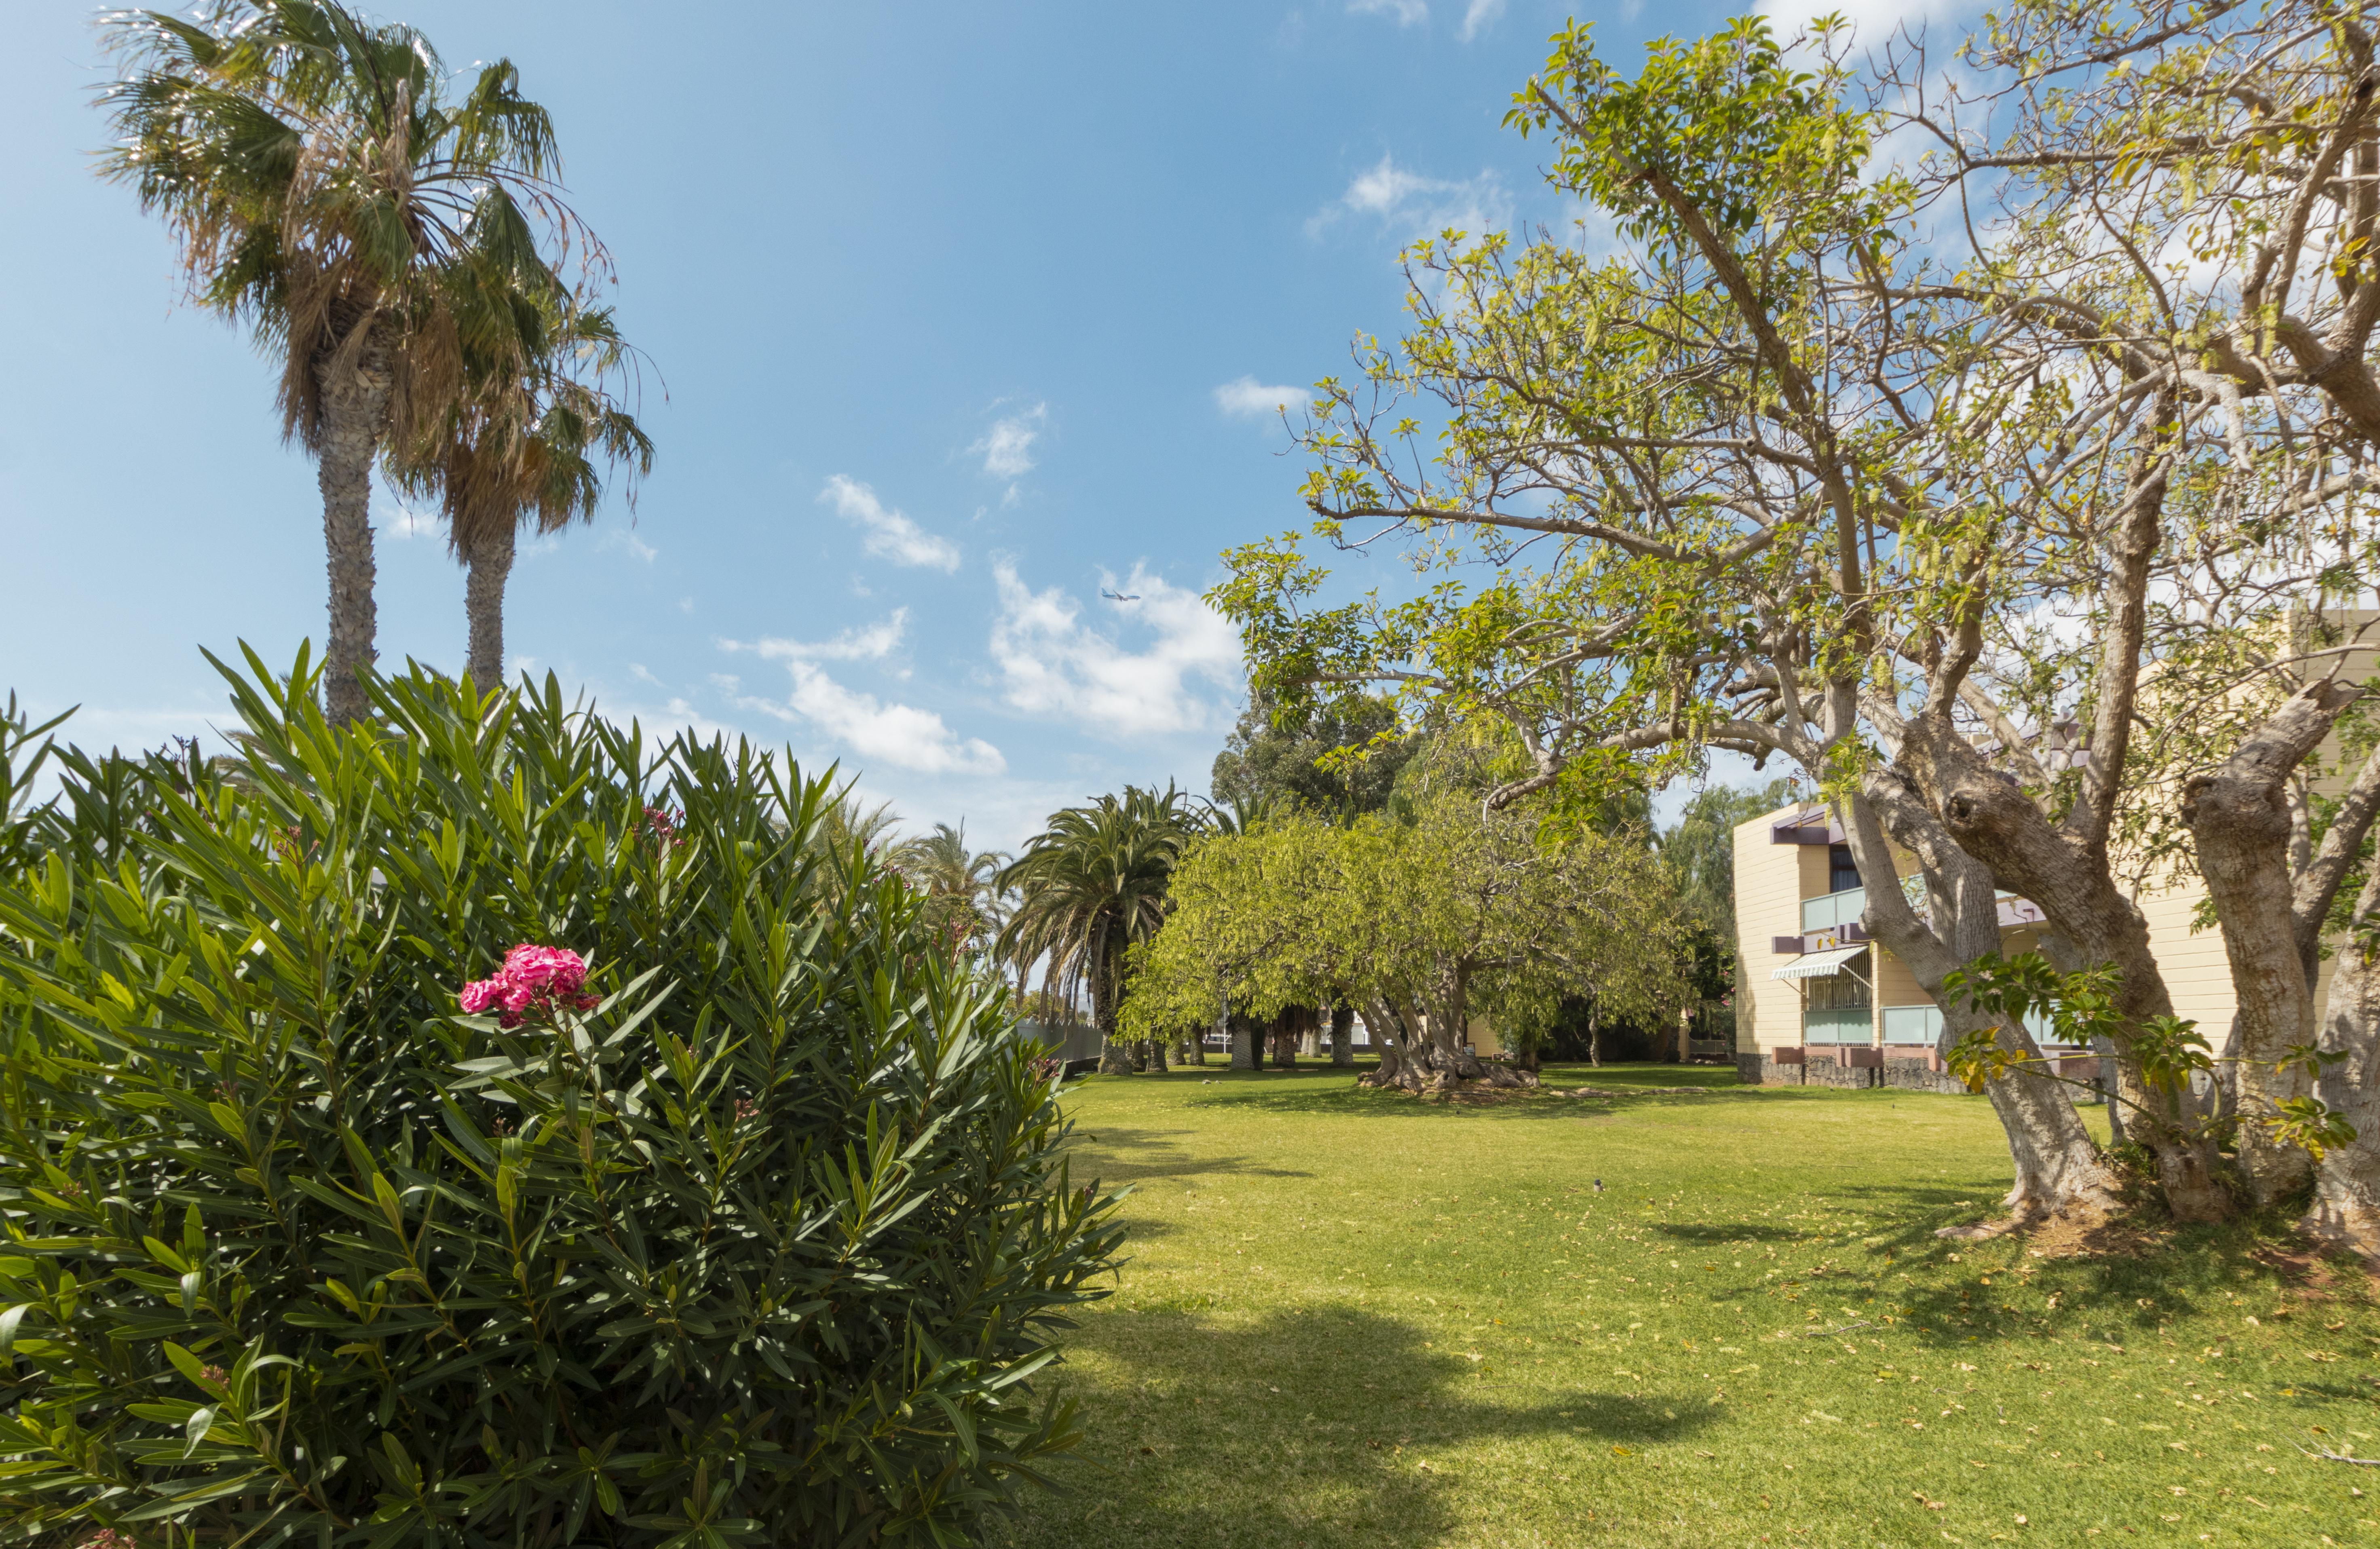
(957,314)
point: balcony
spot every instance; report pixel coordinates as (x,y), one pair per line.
(1833,911)
(1837,1025)
(1923,1025)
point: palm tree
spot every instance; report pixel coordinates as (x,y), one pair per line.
(961,885)
(1089,886)
(531,444)
(1242,814)
(374,235)
(845,825)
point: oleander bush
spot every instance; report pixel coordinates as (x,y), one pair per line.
(757,1235)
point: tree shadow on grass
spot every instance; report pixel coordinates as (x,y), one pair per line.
(1476,1101)
(1718,1234)
(1117,1155)
(2003,1293)
(1326,1428)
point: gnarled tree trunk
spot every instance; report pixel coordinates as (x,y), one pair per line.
(2058,1169)
(2240,815)
(1396,1036)
(354,380)
(2068,877)
(1450,1023)
(2346,1209)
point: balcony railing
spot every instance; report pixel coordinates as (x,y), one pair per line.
(1923,1025)
(1837,1025)
(1833,911)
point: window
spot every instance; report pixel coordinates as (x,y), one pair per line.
(1842,872)
(1911,1024)
(1831,991)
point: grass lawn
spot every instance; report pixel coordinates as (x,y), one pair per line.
(1355,1318)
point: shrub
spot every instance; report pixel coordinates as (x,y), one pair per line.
(759,1238)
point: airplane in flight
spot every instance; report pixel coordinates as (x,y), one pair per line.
(1119,596)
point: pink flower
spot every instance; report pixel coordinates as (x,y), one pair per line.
(532,979)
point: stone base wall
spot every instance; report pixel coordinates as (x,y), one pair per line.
(1762,1068)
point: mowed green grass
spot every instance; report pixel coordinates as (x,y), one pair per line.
(1355,1318)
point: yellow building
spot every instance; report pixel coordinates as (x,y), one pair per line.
(1815,987)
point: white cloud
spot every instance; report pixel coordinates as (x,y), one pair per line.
(1871,21)
(873,642)
(897,734)
(1007,447)
(397,521)
(1051,664)
(890,534)
(620,537)
(1411,202)
(901,735)
(1248,398)
(1479,14)
(1404,13)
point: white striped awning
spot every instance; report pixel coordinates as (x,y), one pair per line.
(1817,965)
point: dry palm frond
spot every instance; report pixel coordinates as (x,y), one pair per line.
(328,186)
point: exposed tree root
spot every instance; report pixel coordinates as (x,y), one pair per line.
(2088,1227)
(1448,1082)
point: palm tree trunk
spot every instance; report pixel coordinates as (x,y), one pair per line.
(1115,1059)
(1342,1034)
(490,563)
(355,411)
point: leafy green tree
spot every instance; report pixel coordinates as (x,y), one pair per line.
(374,221)
(1342,758)
(1699,849)
(1419,926)
(1811,503)
(1089,886)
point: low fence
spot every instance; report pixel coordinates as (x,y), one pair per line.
(1072,1042)
(1851,1066)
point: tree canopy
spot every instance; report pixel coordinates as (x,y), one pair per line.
(1988,444)
(1419,925)
(1340,758)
